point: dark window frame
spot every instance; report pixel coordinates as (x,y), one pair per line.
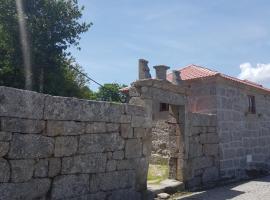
(251,104)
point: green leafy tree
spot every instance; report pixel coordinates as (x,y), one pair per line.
(110,92)
(52,27)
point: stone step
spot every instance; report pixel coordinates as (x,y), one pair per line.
(169,186)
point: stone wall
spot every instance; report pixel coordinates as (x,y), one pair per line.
(202,151)
(66,148)
(244,137)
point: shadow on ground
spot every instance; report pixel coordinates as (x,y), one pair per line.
(249,190)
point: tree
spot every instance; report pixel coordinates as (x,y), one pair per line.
(111,92)
(52,27)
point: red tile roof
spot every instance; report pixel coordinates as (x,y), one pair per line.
(192,72)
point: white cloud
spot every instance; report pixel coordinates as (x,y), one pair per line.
(259,73)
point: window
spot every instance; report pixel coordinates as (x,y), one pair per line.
(164,107)
(251,104)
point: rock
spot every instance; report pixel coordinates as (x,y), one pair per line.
(92,163)
(22,170)
(33,189)
(4,171)
(22,125)
(112,127)
(65,146)
(113,180)
(143,122)
(126,131)
(210,175)
(118,155)
(5,136)
(41,168)
(4,147)
(209,138)
(30,103)
(133,148)
(92,143)
(54,166)
(30,146)
(55,128)
(163,196)
(111,165)
(96,127)
(68,186)
(211,149)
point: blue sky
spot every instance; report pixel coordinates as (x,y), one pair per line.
(218,34)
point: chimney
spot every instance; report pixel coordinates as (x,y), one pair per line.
(176,78)
(144,71)
(161,71)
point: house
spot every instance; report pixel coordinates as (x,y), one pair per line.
(242,109)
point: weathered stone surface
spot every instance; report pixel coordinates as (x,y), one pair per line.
(92,163)
(22,125)
(30,146)
(133,148)
(202,162)
(5,136)
(111,165)
(33,189)
(54,167)
(55,128)
(147,146)
(112,127)
(113,180)
(209,138)
(141,170)
(68,186)
(211,149)
(96,127)
(41,168)
(135,110)
(65,146)
(124,195)
(142,132)
(4,147)
(210,175)
(22,170)
(143,122)
(30,103)
(62,108)
(4,171)
(118,155)
(92,143)
(126,131)
(195,148)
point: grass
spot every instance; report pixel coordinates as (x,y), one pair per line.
(157,173)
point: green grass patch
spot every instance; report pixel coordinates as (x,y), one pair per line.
(157,173)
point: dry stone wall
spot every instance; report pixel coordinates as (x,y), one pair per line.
(66,148)
(202,151)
